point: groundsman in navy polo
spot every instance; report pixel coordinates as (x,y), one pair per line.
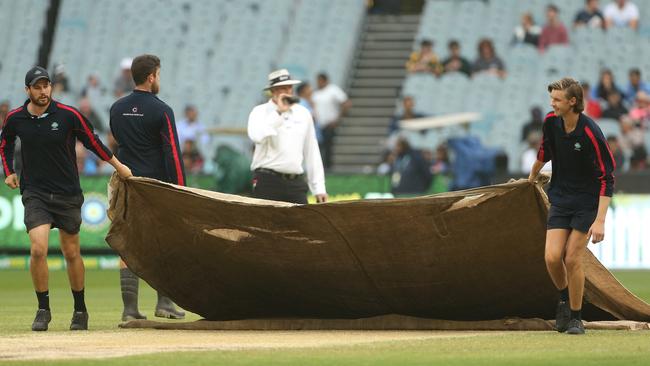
(49,183)
(580,191)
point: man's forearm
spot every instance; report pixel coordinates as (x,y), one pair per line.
(603,205)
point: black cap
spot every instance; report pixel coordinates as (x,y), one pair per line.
(35,74)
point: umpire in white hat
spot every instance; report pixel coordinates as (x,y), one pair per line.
(285,146)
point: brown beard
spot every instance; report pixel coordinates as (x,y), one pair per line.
(38,102)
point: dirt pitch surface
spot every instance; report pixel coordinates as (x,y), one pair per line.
(105,344)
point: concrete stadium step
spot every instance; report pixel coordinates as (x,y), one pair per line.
(390,36)
(398,73)
(393,27)
(370,111)
(375,63)
(359,149)
(383,55)
(362,140)
(373,92)
(373,102)
(367,121)
(356,159)
(362,130)
(385,46)
(387,19)
(374,83)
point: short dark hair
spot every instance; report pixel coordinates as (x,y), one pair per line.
(453,43)
(323,75)
(553,7)
(426,42)
(635,71)
(143,66)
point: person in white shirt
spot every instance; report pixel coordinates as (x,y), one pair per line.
(190,128)
(330,104)
(284,137)
(622,13)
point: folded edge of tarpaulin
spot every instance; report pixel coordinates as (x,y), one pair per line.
(384,322)
(602,289)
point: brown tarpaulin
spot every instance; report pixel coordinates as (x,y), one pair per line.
(469,255)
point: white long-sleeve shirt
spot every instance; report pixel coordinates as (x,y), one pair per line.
(284,142)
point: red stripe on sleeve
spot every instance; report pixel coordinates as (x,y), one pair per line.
(89,133)
(601,164)
(177,161)
(5,165)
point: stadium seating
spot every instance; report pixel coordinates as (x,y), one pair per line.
(505,104)
(22,23)
(215,54)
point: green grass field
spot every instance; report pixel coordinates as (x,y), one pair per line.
(457,348)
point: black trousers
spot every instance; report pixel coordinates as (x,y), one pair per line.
(274,187)
(326,146)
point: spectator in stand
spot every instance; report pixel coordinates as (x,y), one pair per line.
(592,107)
(330,104)
(440,162)
(455,62)
(192,159)
(528,158)
(60,79)
(488,61)
(190,128)
(305,93)
(622,13)
(408,112)
(633,142)
(4,110)
(124,82)
(424,60)
(554,32)
(527,32)
(635,86)
(534,125)
(615,108)
(590,16)
(605,87)
(617,153)
(410,172)
(88,111)
(640,111)
(93,90)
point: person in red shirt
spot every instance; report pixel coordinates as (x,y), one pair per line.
(554,32)
(592,107)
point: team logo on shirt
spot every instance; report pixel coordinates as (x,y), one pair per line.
(135,109)
(577,147)
(55,126)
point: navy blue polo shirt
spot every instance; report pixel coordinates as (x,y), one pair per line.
(583,165)
(48,147)
(145,131)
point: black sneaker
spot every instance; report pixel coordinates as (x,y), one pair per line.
(42,319)
(79,321)
(562,316)
(575,327)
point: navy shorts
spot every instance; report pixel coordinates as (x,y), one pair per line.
(567,218)
(63,212)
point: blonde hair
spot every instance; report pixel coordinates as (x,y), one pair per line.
(572,89)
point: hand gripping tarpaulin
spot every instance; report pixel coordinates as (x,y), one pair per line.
(468,255)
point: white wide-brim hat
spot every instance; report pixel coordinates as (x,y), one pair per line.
(280,78)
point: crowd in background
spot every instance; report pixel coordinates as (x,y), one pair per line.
(626,104)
